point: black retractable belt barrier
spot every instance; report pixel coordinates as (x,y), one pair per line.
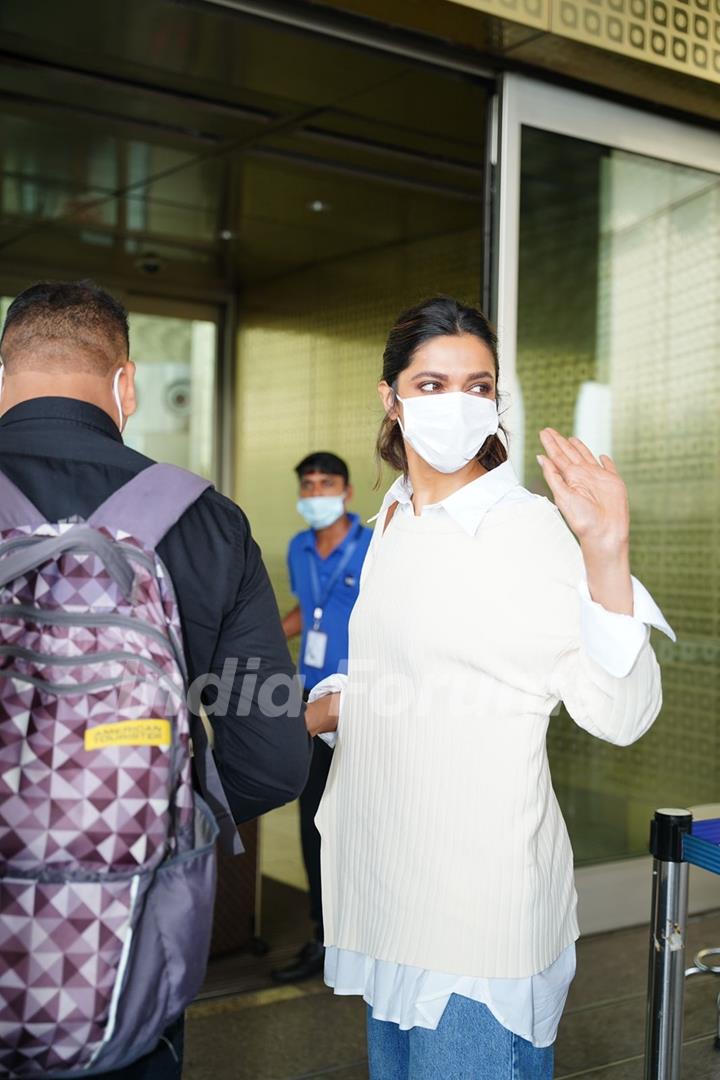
(666,973)
(675,842)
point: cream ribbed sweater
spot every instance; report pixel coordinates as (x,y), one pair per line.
(443,846)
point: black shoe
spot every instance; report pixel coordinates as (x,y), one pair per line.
(309,961)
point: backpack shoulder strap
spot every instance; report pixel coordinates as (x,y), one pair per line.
(151,503)
(147,507)
(212,790)
(15,508)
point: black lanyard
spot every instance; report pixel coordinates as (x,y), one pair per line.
(320,600)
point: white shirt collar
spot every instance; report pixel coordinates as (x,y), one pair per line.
(468,505)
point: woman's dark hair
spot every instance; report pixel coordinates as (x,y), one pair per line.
(440,316)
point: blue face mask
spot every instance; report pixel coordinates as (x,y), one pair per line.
(320,511)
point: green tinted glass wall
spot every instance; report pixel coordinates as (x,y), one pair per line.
(618,298)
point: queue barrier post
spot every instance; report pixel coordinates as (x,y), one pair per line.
(668,926)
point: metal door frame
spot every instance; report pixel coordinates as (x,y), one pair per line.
(524,102)
(615,893)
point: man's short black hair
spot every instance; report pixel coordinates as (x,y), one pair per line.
(325,462)
(71,319)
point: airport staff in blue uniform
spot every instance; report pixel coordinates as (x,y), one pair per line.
(324,563)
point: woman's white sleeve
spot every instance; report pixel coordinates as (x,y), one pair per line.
(333,684)
(604,668)
(614,641)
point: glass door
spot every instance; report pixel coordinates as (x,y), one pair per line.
(175,347)
(609,320)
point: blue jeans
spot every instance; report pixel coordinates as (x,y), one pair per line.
(468,1044)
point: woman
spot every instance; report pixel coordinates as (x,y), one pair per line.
(447,871)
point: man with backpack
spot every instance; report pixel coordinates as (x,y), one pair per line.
(122,583)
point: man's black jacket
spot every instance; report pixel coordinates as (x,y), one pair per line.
(67,456)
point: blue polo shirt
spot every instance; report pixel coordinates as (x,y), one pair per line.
(336,612)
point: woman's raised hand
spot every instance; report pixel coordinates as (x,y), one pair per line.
(589,493)
(593,500)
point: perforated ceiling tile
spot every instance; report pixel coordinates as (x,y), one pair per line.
(679,34)
(684,35)
(529,12)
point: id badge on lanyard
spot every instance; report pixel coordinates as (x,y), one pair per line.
(316,640)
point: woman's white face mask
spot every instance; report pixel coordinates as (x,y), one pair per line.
(447,430)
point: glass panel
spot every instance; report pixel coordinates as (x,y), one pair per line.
(40,179)
(183,203)
(176,415)
(618,335)
(175,418)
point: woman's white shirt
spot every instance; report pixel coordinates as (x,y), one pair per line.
(531,1007)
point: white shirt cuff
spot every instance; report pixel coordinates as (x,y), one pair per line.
(613,640)
(333,684)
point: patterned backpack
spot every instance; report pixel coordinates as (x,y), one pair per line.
(107,857)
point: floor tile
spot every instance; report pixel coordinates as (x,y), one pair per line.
(701,1061)
(622,1070)
(353,1072)
(593,1036)
(281,1039)
(304,1033)
(616,963)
